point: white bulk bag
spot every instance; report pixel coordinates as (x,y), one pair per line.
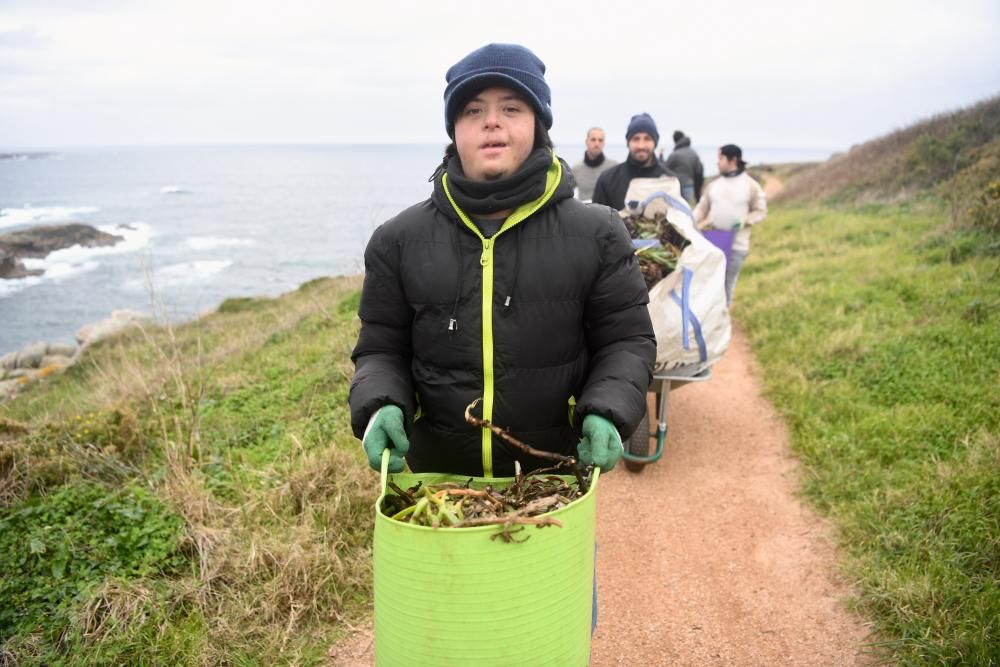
(688,307)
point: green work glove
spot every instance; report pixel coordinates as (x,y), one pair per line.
(385,430)
(601,444)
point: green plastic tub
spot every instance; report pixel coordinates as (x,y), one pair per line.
(453,596)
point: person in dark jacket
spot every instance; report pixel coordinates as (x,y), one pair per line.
(684,162)
(641,162)
(502,287)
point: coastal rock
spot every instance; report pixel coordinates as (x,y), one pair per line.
(119,321)
(41,240)
(39,360)
(8,361)
(54,362)
(61,349)
(31,356)
(11,267)
(38,242)
(35,355)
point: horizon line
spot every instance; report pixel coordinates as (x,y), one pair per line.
(331,144)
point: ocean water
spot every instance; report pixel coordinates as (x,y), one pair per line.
(202,224)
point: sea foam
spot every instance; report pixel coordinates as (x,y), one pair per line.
(57,272)
(185,273)
(74,260)
(213,242)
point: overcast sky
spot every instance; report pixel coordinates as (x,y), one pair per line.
(789,73)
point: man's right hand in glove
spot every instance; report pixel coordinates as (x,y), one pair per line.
(601,444)
(385,430)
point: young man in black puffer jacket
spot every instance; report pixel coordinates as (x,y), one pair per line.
(500,286)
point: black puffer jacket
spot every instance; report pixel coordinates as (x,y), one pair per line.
(612,185)
(548,312)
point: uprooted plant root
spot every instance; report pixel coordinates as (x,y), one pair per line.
(504,434)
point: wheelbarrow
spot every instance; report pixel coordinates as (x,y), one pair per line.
(636,453)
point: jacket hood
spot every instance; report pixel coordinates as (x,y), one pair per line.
(683,143)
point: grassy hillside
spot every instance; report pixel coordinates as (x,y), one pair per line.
(904,163)
(190,496)
(872,301)
(878,340)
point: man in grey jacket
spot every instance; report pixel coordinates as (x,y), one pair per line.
(684,161)
(594,162)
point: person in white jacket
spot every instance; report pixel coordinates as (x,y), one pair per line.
(736,202)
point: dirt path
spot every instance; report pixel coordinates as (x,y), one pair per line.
(773,186)
(732,569)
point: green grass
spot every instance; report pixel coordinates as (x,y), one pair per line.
(878,333)
(53,549)
(192,495)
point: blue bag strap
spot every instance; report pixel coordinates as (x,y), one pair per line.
(688,318)
(676,203)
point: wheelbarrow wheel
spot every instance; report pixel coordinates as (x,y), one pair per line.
(638,445)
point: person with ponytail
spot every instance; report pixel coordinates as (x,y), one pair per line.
(734,201)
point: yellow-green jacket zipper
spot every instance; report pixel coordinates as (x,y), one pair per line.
(519,214)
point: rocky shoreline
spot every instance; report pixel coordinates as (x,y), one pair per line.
(33,362)
(38,360)
(38,242)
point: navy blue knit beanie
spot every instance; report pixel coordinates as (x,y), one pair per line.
(642,122)
(509,65)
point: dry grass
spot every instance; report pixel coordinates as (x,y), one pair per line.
(881,169)
(283,565)
(286,563)
(281,558)
(13,461)
(114,605)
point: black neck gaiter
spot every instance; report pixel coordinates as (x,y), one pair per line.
(485,197)
(595,162)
